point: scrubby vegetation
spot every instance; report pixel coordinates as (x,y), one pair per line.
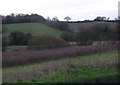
(98,32)
(4,43)
(4,40)
(78,26)
(27,57)
(68,36)
(19,38)
(46,41)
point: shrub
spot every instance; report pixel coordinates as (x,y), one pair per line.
(19,38)
(46,41)
(99,32)
(84,36)
(27,37)
(4,43)
(67,36)
(58,25)
(104,32)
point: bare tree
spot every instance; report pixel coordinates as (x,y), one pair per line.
(48,19)
(55,19)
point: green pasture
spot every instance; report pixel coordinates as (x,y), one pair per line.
(33,28)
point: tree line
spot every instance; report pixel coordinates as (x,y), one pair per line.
(22,18)
(99,32)
(27,18)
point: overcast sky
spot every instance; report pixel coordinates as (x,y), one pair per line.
(76,9)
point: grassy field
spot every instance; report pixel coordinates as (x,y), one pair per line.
(33,28)
(98,67)
(75,27)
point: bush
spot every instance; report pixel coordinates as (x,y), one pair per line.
(84,36)
(58,25)
(4,43)
(19,38)
(46,41)
(104,32)
(27,37)
(99,32)
(67,36)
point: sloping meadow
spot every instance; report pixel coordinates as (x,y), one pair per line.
(18,58)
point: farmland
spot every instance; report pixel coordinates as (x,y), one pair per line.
(52,42)
(98,67)
(64,64)
(33,28)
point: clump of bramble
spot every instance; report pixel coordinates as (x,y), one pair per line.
(46,41)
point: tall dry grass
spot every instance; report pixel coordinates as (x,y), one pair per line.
(28,57)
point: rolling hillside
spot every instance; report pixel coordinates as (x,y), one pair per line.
(33,28)
(75,27)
